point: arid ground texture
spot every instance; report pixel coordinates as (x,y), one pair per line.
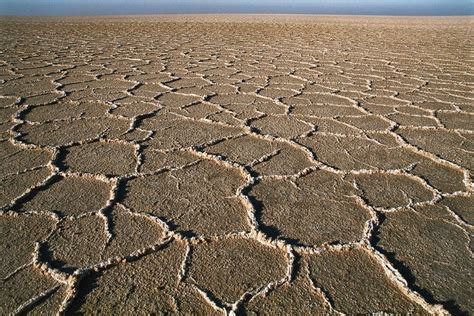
(236,165)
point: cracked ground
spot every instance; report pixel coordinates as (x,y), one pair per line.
(236,165)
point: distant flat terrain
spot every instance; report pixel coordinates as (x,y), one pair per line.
(221,164)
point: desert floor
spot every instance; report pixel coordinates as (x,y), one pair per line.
(236,164)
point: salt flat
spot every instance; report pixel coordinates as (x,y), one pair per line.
(236,164)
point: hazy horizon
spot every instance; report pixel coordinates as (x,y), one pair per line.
(343,7)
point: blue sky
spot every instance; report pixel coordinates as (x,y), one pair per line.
(104,7)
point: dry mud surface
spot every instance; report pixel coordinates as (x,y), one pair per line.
(248,165)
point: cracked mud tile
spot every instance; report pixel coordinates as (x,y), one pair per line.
(461,206)
(243,149)
(38,87)
(281,126)
(289,161)
(355,283)
(77,243)
(355,153)
(149,90)
(236,99)
(199,111)
(243,112)
(387,101)
(448,145)
(329,125)
(154,160)
(65,132)
(131,232)
(177,100)
(18,234)
(66,110)
(42,99)
(17,159)
(91,95)
(411,120)
(390,140)
(198,199)
(438,211)
(221,89)
(438,261)
(133,109)
(70,79)
(296,298)
(384,110)
(229,268)
(185,133)
(277,93)
(247,87)
(325,99)
(457,120)
(24,286)
(317,89)
(444,178)
(267,157)
(413,111)
(70,196)
(367,122)
(194,91)
(142,286)
(329,110)
(109,158)
(435,106)
(188,83)
(111,84)
(448,97)
(318,210)
(270,108)
(226,118)
(134,136)
(13,186)
(133,100)
(391,190)
(189,301)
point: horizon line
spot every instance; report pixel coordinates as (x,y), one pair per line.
(239,13)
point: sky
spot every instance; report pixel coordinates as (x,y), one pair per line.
(363,7)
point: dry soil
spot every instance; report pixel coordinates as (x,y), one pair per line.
(236,164)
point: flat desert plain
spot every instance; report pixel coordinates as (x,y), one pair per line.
(236,165)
